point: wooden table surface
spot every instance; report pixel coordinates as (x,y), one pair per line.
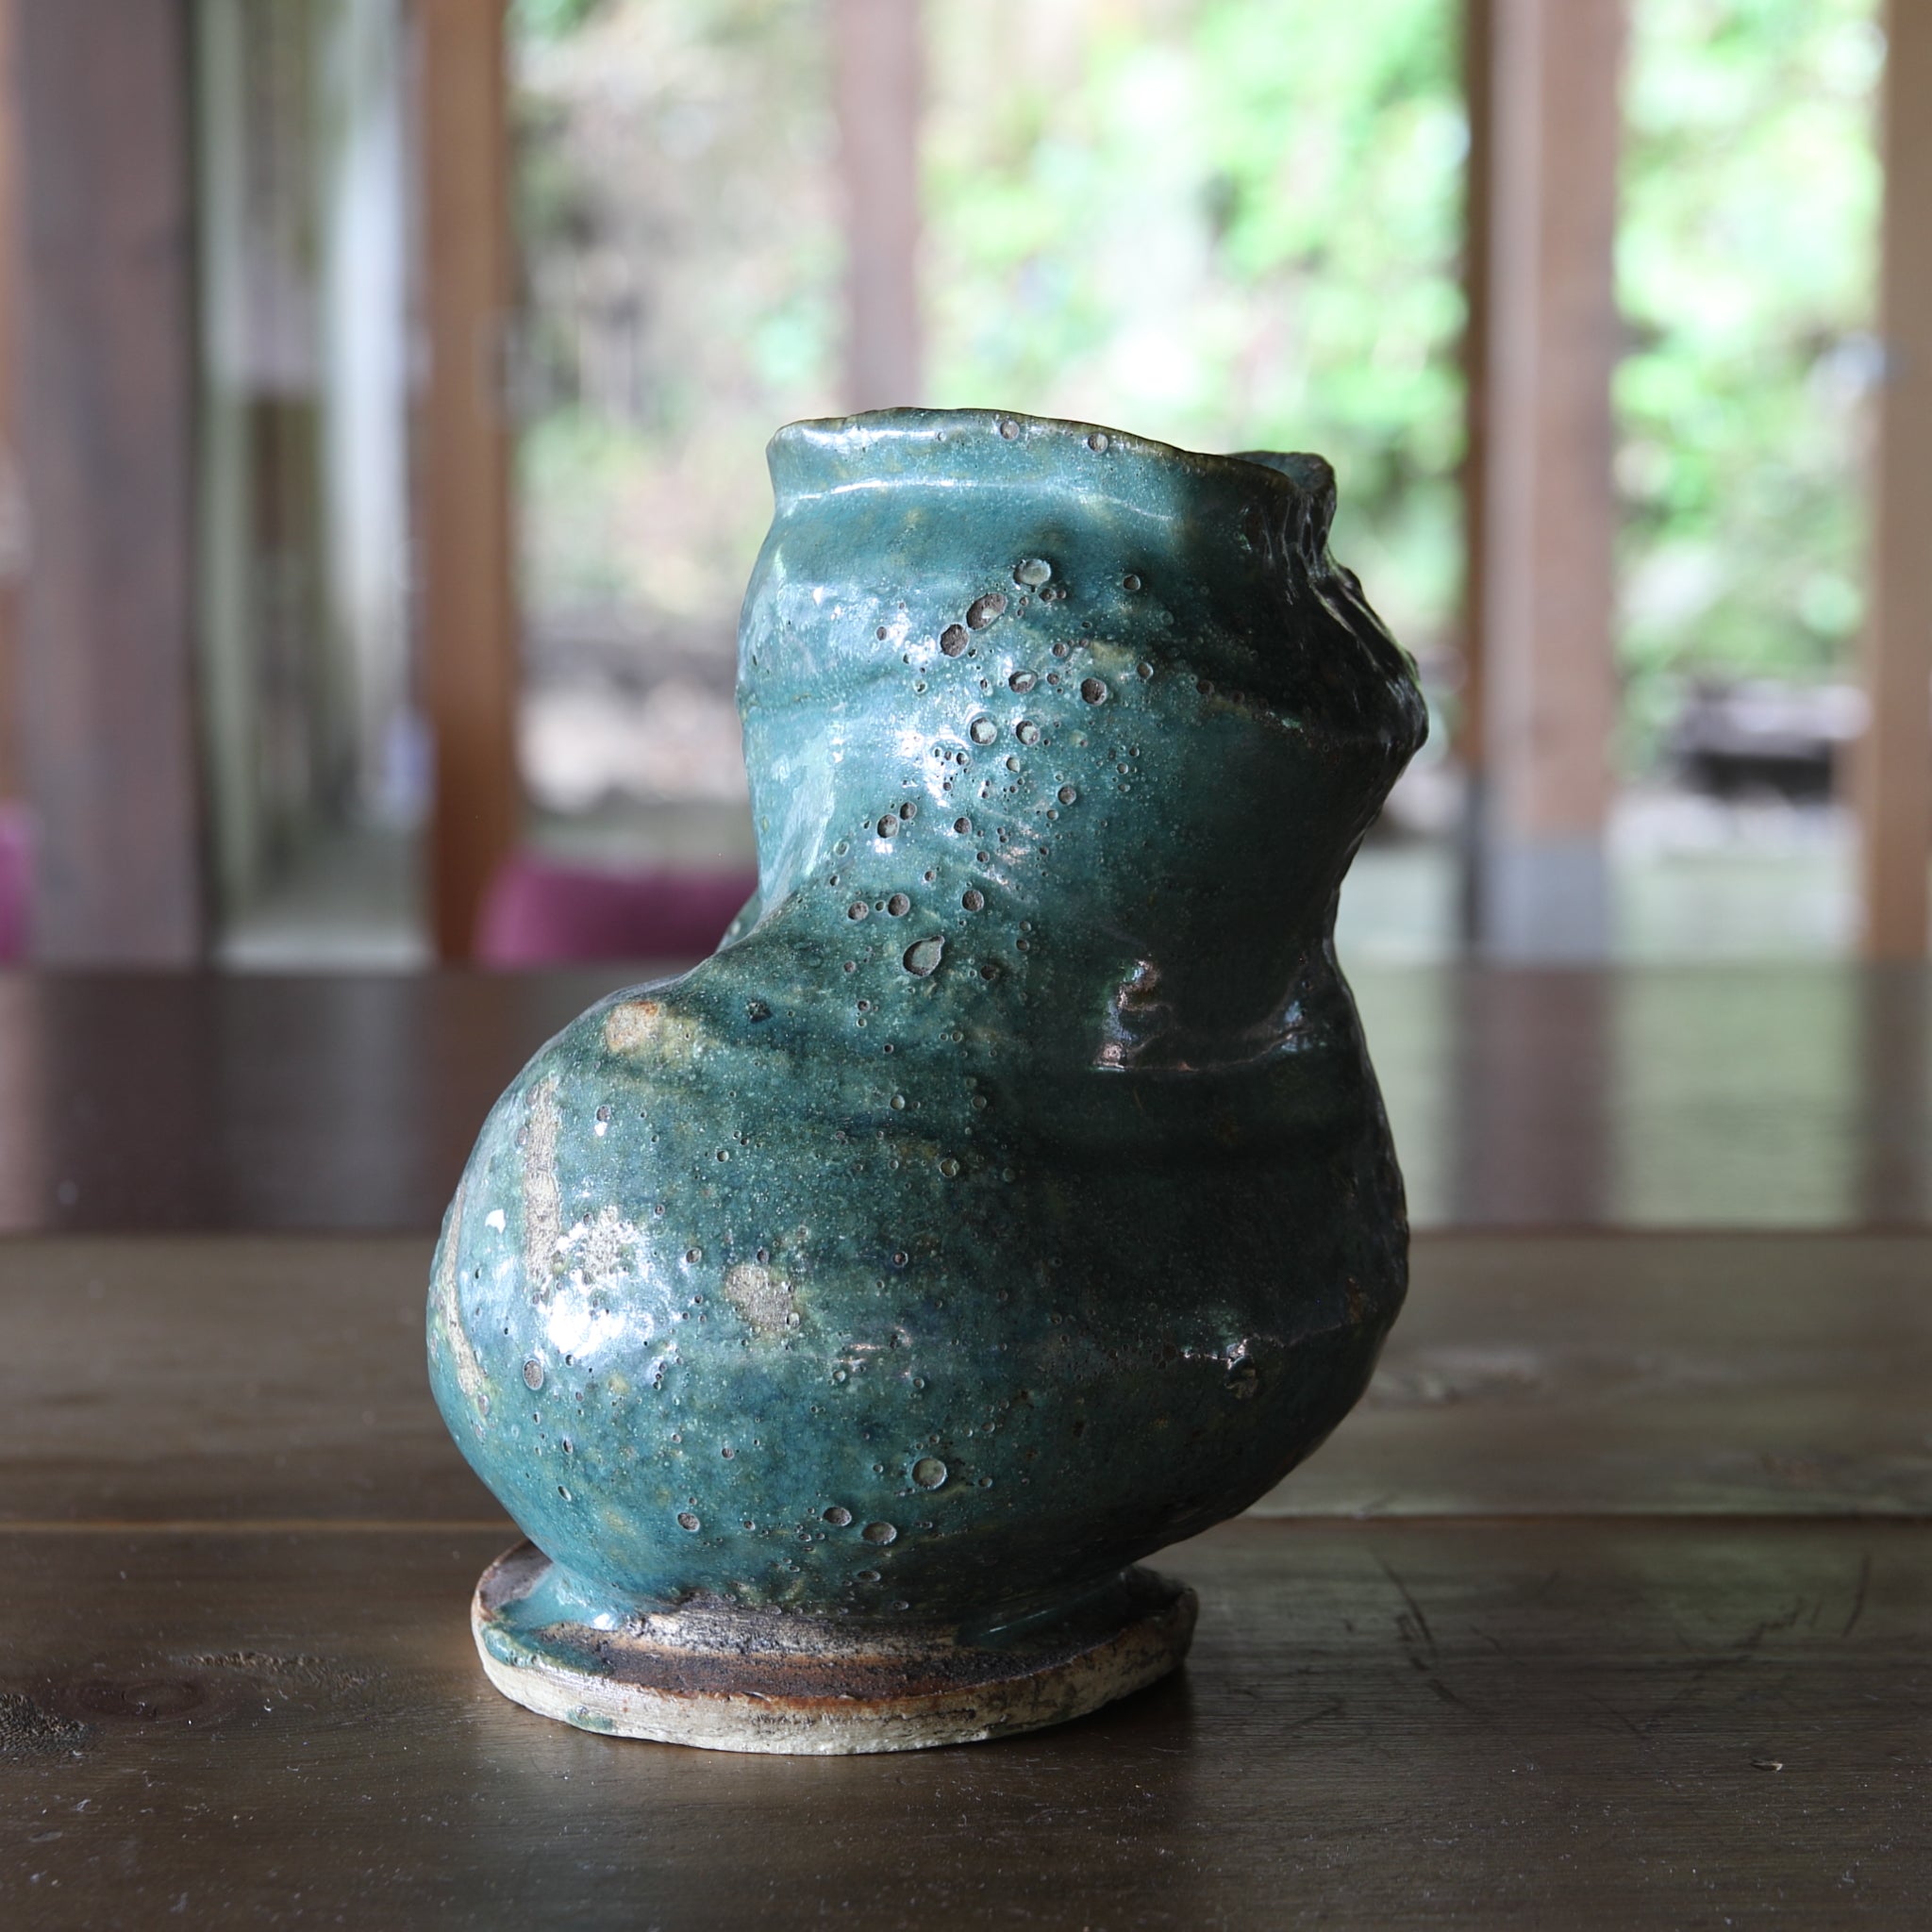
(1693,1097)
(1611,1605)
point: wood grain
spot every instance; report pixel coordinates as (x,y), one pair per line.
(1792,1097)
(1539,1726)
(150,1101)
(278,1380)
(1723,1374)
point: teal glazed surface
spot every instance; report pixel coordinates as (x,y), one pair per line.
(1010,1195)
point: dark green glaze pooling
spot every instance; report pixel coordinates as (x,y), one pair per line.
(1010,1196)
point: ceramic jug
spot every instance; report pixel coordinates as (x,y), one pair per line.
(1010,1195)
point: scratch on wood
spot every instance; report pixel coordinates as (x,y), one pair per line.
(1609,1710)
(1415,1609)
(1335,1709)
(1771,1626)
(1859,1597)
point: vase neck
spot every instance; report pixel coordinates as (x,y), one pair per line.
(1091,718)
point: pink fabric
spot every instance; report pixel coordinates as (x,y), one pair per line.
(539,912)
(16,883)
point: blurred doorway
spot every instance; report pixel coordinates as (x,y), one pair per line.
(316,770)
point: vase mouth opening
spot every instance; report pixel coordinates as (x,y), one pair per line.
(1003,448)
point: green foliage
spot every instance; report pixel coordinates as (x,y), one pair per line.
(1234,224)
(1746,273)
(550,19)
(681,263)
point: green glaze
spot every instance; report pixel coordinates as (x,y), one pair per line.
(1010,1195)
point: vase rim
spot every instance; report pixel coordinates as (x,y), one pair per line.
(817,456)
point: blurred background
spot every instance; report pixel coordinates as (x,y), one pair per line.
(388,383)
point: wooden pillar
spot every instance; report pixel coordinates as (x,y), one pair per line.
(877,59)
(11,556)
(1478,27)
(1893,782)
(107,346)
(1546,519)
(462,456)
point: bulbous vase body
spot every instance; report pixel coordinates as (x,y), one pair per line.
(1010,1195)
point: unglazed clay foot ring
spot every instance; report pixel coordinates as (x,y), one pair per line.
(749,1680)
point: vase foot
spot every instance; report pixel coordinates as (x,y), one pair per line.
(747,1681)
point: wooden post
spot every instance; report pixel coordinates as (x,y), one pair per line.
(462,459)
(1478,29)
(1547,516)
(107,387)
(11,533)
(876,58)
(1893,770)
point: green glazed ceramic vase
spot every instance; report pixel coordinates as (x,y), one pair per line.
(1010,1195)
